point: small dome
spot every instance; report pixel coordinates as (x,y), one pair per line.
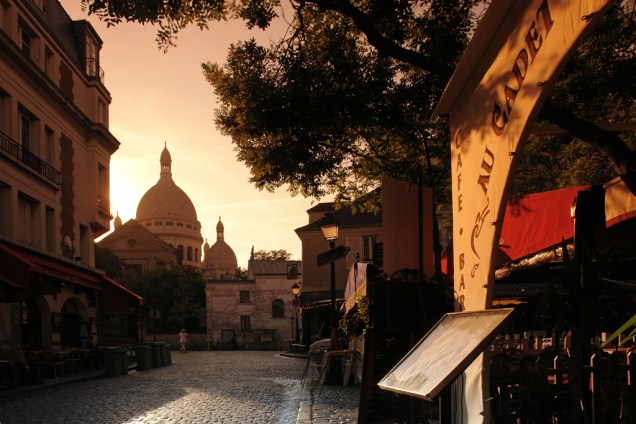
(221,256)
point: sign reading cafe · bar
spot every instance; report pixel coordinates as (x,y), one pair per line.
(497,93)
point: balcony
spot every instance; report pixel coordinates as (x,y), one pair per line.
(100,222)
(94,71)
(31,160)
(103,207)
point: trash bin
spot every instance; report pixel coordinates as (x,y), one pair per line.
(156,353)
(143,354)
(116,360)
(164,354)
(169,352)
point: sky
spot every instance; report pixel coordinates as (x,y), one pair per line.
(162,98)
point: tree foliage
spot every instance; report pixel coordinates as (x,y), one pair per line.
(271,255)
(345,97)
(110,263)
(178,293)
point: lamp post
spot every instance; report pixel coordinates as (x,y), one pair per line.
(329,228)
(296,291)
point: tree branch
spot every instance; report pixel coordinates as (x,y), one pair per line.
(620,156)
(383,44)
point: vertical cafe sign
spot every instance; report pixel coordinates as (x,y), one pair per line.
(492,100)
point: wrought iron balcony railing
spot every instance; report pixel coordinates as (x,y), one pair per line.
(29,159)
(93,70)
(103,205)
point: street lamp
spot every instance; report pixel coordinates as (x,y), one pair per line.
(329,228)
(296,291)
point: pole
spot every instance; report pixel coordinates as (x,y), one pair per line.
(333,299)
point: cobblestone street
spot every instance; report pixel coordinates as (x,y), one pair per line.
(199,387)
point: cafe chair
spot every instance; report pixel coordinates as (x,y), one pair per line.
(52,365)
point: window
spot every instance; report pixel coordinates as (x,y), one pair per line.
(246,324)
(169,223)
(66,80)
(27,219)
(179,224)
(48,61)
(92,64)
(26,38)
(148,224)
(5,111)
(102,112)
(157,222)
(50,146)
(5,209)
(85,241)
(278,309)
(25,132)
(180,253)
(50,229)
(244,296)
(368,242)
(196,255)
(190,253)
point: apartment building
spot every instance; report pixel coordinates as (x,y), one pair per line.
(55,149)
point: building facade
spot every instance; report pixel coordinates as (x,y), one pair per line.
(55,149)
(256,313)
(138,248)
(361,232)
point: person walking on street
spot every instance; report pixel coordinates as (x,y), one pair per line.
(183,340)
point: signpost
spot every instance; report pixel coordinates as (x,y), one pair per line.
(155,315)
(332,255)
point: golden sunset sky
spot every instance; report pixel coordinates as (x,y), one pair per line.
(163,97)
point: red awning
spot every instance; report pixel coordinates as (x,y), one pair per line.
(17,264)
(14,268)
(117,298)
(536,222)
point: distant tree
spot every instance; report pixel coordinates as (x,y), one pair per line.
(241,273)
(112,265)
(272,255)
(178,293)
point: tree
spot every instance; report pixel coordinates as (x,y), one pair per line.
(346,96)
(271,255)
(106,260)
(178,293)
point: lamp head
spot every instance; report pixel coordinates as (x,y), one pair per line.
(329,227)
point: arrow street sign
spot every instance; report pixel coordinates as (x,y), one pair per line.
(332,255)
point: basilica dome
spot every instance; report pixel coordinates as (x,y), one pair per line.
(166,199)
(167,211)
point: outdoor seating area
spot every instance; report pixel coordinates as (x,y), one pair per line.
(319,360)
(52,364)
(535,380)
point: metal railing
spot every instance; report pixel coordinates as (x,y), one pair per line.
(103,204)
(29,159)
(93,70)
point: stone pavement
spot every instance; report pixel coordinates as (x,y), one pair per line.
(199,387)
